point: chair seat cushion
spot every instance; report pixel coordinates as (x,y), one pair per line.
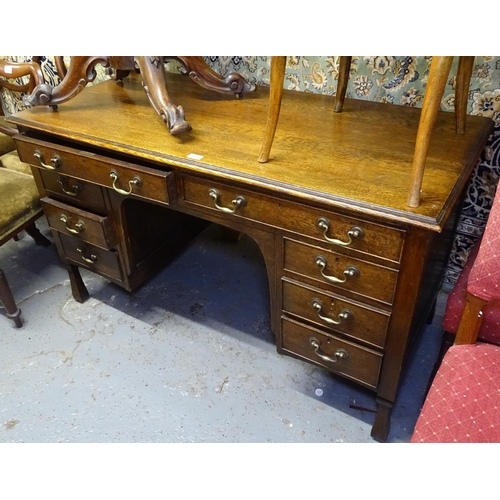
(19,200)
(6,144)
(490,328)
(12,162)
(463,403)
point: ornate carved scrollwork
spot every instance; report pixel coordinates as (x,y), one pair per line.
(203,75)
(81,71)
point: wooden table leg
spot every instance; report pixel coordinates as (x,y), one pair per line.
(278,65)
(464,73)
(344,70)
(440,69)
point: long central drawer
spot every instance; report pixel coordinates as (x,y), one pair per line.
(334,229)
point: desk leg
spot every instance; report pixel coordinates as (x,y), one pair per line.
(440,69)
(78,288)
(382,424)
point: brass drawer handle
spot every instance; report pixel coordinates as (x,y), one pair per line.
(79,226)
(354,233)
(238,202)
(136,181)
(344,315)
(77,186)
(91,260)
(350,272)
(55,160)
(339,354)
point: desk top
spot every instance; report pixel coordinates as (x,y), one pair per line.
(359,159)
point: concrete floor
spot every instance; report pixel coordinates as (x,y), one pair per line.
(189,357)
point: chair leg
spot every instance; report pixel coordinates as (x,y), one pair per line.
(35,233)
(7,299)
(344,70)
(464,73)
(440,69)
(278,65)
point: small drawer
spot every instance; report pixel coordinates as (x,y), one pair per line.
(334,230)
(128,179)
(80,224)
(104,262)
(336,313)
(76,192)
(345,358)
(340,272)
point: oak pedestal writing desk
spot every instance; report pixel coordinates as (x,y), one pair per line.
(353,272)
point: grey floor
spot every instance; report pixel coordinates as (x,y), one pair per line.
(189,357)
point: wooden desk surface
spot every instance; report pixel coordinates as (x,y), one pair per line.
(358,159)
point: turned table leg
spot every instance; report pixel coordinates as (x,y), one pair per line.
(464,73)
(344,70)
(7,299)
(278,65)
(440,69)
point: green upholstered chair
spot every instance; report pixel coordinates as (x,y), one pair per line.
(19,208)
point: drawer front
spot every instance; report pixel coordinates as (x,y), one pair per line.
(345,358)
(125,178)
(340,272)
(336,313)
(96,259)
(76,192)
(335,230)
(80,224)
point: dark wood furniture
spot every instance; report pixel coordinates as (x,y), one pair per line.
(353,271)
(154,80)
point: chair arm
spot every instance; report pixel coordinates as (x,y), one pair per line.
(471,320)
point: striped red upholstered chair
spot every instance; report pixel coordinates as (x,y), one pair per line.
(463,403)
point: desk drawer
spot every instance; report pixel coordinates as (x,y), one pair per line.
(345,358)
(128,179)
(330,268)
(96,259)
(76,192)
(373,239)
(336,313)
(80,224)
